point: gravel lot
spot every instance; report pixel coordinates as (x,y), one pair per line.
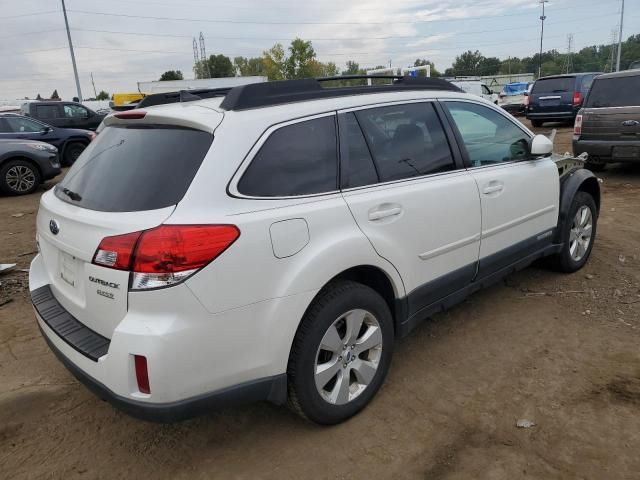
(561,351)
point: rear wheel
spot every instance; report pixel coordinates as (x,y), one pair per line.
(341,353)
(578,234)
(18,177)
(537,123)
(72,152)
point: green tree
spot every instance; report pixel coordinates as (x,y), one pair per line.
(301,62)
(220,66)
(102,95)
(55,96)
(171,75)
(274,61)
(248,66)
(467,63)
(353,68)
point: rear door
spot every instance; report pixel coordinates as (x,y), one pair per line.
(553,95)
(74,116)
(519,196)
(612,113)
(125,181)
(47,113)
(418,208)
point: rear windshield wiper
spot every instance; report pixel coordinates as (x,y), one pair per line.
(72,195)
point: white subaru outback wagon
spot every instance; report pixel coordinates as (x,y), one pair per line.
(272,241)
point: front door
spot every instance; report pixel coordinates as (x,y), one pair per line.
(519,195)
(419,210)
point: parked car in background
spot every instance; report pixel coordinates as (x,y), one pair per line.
(512,97)
(70,142)
(558,98)
(476,87)
(63,114)
(608,127)
(25,164)
(282,260)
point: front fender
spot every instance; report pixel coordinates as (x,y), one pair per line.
(580,180)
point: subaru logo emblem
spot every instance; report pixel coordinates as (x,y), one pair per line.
(54,227)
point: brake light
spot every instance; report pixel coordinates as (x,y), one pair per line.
(526,101)
(577,99)
(131,115)
(577,126)
(142,374)
(165,255)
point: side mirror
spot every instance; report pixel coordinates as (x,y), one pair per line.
(541,146)
(45,130)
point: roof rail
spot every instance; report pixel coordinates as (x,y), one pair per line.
(181,96)
(257,95)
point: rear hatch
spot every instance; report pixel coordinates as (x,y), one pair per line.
(129,179)
(553,95)
(612,110)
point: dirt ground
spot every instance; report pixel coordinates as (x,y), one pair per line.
(559,350)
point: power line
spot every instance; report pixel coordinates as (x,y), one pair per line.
(265,22)
(9,17)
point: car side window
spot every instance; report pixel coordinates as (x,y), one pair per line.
(4,126)
(298,159)
(24,125)
(357,168)
(47,111)
(75,111)
(488,136)
(406,140)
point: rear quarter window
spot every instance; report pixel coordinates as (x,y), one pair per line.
(297,159)
(129,169)
(614,92)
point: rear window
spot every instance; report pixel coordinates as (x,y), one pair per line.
(136,168)
(554,85)
(615,92)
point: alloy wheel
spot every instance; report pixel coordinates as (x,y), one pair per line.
(580,233)
(348,357)
(20,178)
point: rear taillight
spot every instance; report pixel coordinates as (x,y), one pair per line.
(142,374)
(165,255)
(577,99)
(577,126)
(526,100)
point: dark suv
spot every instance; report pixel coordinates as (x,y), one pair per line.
(608,127)
(64,114)
(558,98)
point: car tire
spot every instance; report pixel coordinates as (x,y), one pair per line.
(537,123)
(582,218)
(334,371)
(72,151)
(19,177)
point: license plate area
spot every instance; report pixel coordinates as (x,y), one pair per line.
(68,268)
(626,152)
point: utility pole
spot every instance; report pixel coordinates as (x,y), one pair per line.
(73,57)
(569,61)
(542,18)
(95,94)
(620,37)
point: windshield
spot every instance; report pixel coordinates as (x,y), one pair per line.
(554,85)
(614,92)
(135,168)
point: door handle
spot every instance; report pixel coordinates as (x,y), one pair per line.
(493,188)
(384,212)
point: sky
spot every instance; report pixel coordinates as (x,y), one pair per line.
(125,41)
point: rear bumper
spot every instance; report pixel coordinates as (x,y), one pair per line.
(550,116)
(49,166)
(273,389)
(197,360)
(603,149)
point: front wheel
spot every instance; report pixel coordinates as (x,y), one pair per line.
(341,353)
(18,177)
(578,234)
